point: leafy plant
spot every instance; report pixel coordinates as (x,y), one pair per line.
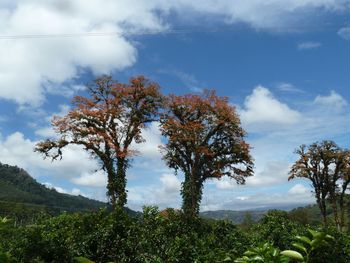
(307,244)
(263,253)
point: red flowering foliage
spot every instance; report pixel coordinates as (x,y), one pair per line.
(205,140)
(105,124)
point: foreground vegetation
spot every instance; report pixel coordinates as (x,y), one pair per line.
(166,236)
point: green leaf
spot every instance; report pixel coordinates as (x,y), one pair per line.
(316,243)
(274,252)
(258,258)
(304,239)
(293,254)
(329,237)
(314,233)
(82,260)
(300,246)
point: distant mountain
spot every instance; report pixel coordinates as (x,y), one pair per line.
(235,216)
(21,194)
(308,214)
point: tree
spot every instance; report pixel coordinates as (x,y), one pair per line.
(105,124)
(205,140)
(327,167)
(344,159)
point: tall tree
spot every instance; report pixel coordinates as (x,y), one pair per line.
(105,124)
(327,167)
(344,181)
(205,140)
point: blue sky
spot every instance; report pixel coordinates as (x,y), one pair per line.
(283,64)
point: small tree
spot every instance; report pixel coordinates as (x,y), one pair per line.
(327,167)
(205,140)
(105,125)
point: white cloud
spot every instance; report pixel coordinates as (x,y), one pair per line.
(288,87)
(153,137)
(170,183)
(246,200)
(263,109)
(31,67)
(97,179)
(308,45)
(269,174)
(274,15)
(57,188)
(344,33)
(46,132)
(298,189)
(52,61)
(273,173)
(74,191)
(225,183)
(332,101)
(15,149)
(165,194)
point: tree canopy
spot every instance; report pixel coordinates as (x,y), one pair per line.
(205,140)
(327,166)
(105,124)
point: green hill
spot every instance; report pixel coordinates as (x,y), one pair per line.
(23,196)
(236,217)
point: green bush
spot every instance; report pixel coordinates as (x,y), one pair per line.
(276,227)
(154,236)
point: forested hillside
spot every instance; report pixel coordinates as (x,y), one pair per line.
(21,195)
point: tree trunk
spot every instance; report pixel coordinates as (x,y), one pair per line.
(342,212)
(342,208)
(117,183)
(121,182)
(322,205)
(335,213)
(191,195)
(111,175)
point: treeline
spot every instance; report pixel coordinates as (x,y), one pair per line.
(168,236)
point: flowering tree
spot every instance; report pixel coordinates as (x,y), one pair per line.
(327,166)
(105,124)
(205,140)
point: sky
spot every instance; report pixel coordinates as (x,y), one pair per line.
(284,65)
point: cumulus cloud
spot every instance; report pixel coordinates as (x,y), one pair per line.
(46,62)
(271,173)
(74,191)
(15,149)
(332,101)
(308,45)
(298,189)
(164,193)
(262,108)
(97,179)
(153,137)
(46,132)
(171,184)
(31,66)
(57,188)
